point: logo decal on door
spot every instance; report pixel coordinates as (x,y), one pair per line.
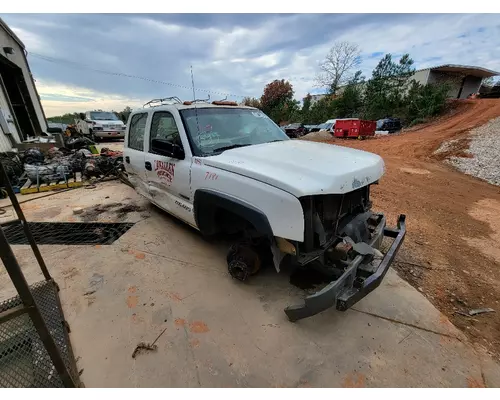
(165,171)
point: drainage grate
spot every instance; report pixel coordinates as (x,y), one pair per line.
(24,361)
(66,232)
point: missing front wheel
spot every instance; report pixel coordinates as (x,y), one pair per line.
(242,261)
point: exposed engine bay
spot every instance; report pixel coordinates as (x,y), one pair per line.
(342,238)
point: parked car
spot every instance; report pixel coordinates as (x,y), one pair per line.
(229,169)
(56,127)
(309,128)
(314,128)
(295,130)
(100,124)
(389,124)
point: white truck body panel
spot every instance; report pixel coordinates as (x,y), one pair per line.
(282,209)
(303,168)
(270,177)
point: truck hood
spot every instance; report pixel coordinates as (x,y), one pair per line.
(303,168)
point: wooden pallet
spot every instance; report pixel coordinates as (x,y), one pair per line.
(31,187)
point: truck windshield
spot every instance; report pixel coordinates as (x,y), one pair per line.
(103,116)
(213,130)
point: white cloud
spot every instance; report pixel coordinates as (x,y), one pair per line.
(31,40)
(84,99)
(241,58)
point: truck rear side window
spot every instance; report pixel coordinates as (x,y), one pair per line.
(136,131)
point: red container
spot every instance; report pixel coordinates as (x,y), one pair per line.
(354,128)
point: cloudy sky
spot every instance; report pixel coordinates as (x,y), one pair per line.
(229,53)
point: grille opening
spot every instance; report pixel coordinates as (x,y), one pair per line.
(334,211)
(69,233)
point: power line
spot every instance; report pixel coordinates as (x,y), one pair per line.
(83,66)
(87,67)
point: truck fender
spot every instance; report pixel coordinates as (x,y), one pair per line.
(207,201)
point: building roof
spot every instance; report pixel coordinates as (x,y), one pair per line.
(9,31)
(465,69)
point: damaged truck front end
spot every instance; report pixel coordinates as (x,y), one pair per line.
(342,238)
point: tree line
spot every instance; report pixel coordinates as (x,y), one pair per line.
(389,92)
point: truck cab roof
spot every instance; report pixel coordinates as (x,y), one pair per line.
(189,105)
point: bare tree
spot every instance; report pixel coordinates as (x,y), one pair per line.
(336,68)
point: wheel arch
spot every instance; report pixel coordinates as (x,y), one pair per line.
(207,202)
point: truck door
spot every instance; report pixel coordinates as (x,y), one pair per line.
(134,153)
(169,178)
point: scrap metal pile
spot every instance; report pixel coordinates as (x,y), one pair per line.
(60,164)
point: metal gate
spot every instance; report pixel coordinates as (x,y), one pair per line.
(35,350)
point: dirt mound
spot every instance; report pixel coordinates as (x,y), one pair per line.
(421,141)
(445,228)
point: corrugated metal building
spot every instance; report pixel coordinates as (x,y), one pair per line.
(21,113)
(463,79)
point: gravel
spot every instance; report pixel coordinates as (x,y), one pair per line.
(485,150)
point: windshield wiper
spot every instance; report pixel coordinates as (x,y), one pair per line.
(232,146)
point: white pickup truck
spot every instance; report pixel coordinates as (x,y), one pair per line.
(100,125)
(229,169)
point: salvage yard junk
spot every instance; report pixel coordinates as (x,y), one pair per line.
(13,167)
(64,168)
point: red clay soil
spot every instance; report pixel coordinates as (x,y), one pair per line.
(452,249)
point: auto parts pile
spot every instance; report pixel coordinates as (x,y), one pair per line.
(60,164)
(13,166)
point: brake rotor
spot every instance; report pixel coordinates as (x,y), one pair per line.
(242,262)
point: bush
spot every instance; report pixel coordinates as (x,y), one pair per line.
(425,101)
(417,121)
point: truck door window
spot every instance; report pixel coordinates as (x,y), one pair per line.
(136,132)
(164,127)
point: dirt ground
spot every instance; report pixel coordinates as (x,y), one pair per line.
(451,253)
(162,278)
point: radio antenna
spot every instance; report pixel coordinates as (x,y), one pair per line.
(195,108)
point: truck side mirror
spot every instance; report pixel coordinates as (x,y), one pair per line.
(82,116)
(165,148)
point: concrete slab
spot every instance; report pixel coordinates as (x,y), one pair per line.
(397,300)
(219,333)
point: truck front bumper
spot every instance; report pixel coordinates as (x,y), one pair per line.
(348,289)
